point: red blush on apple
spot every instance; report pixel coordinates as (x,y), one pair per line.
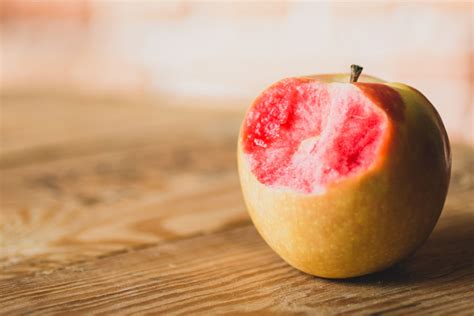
(304,135)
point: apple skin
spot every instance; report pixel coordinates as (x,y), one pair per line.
(366,223)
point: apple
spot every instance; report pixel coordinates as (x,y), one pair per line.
(343,175)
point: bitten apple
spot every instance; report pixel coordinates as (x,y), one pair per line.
(343,176)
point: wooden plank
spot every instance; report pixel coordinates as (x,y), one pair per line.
(36,122)
(235,271)
(106,175)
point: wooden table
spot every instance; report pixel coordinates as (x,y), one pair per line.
(131,206)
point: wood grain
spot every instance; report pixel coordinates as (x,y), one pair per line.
(234,271)
(105,175)
(131,207)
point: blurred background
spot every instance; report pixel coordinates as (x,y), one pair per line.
(119,119)
(231,50)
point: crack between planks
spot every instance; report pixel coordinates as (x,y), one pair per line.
(76,264)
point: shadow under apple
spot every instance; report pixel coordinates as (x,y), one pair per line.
(449,249)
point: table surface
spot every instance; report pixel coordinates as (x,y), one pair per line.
(123,205)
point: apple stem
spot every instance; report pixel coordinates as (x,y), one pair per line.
(356,70)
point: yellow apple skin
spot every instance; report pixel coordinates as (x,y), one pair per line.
(369,222)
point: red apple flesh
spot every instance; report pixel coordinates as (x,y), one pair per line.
(343,177)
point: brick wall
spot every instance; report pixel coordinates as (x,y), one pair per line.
(234,49)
